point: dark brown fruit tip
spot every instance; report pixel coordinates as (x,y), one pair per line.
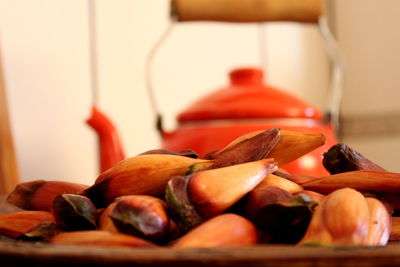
(342,158)
(74,212)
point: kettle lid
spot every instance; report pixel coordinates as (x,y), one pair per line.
(248,97)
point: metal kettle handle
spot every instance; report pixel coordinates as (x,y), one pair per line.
(266,10)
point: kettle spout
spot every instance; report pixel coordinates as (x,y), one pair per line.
(111,150)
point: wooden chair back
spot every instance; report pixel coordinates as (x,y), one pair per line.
(9,177)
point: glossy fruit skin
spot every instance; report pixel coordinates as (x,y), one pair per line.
(246,105)
(221,231)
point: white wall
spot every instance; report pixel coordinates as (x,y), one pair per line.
(45,47)
(368,35)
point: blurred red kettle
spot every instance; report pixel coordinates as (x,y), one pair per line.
(245,105)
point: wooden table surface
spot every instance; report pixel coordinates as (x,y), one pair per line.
(37,254)
(22,253)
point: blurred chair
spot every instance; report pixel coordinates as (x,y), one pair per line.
(9,177)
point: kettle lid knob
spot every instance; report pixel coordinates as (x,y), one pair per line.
(246,76)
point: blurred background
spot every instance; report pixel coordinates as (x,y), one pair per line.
(45,54)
